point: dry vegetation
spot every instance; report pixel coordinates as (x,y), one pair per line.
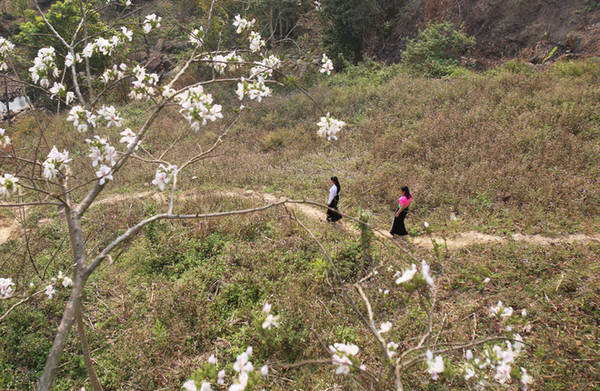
(511,150)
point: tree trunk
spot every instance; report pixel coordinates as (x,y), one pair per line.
(89,365)
(80,278)
(62,333)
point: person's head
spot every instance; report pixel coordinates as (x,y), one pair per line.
(336,182)
(406,191)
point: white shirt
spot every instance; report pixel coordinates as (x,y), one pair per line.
(332,193)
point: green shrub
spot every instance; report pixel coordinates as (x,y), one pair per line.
(437,50)
(576,68)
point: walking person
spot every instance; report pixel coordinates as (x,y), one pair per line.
(334,198)
(398,227)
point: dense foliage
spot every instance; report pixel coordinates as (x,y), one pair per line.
(438,49)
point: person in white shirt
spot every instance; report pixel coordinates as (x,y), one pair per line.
(334,198)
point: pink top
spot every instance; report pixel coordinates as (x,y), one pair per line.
(404,202)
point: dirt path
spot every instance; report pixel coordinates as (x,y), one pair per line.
(9,227)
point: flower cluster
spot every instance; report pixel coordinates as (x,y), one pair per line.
(271,320)
(144,85)
(501,310)
(65,281)
(103,156)
(265,67)
(164,175)
(256,41)
(242,24)
(4,140)
(5,48)
(435,365)
(44,64)
(317,5)
(244,371)
(55,162)
(8,185)
(408,274)
(326,65)
(329,126)
(342,356)
(255,89)
(7,288)
(195,37)
(151,22)
(58,89)
(101,45)
(197,107)
(109,116)
(114,73)
(129,138)
(71,59)
(497,360)
(82,119)
(220,62)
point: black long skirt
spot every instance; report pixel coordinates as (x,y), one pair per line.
(398,227)
(332,215)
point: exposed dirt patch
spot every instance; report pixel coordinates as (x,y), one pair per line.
(8,226)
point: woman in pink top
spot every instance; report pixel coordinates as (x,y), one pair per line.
(398,227)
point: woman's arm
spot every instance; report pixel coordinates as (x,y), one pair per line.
(332,194)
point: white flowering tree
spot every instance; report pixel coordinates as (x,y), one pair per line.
(486,361)
(54,181)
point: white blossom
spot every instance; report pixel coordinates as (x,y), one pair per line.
(270,321)
(329,126)
(242,363)
(526,379)
(255,89)
(205,386)
(104,173)
(6,47)
(326,65)
(198,107)
(426,275)
(50,291)
(189,385)
(385,327)
(110,116)
(435,365)
(502,373)
(195,37)
(501,310)
(267,308)
(212,359)
(55,162)
(128,34)
(67,282)
(163,175)
(44,66)
(128,138)
(151,22)
(407,275)
(256,41)
(81,118)
(242,24)
(221,377)
(7,288)
(8,185)
(317,5)
(4,139)
(264,371)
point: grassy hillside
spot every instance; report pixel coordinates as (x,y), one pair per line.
(510,150)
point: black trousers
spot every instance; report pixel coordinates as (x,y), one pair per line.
(398,227)
(332,215)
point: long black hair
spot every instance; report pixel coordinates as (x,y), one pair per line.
(337,184)
(406,192)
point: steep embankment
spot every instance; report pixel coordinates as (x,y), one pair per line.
(503,28)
